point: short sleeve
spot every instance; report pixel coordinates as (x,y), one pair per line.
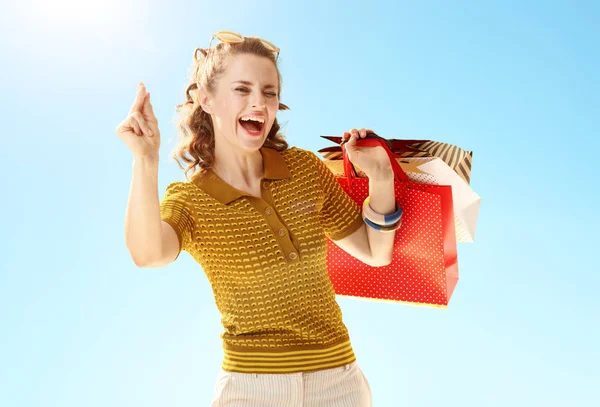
(174,210)
(340,216)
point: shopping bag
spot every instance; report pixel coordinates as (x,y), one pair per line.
(424,267)
(435,171)
(459,160)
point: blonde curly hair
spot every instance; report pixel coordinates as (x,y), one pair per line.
(196,145)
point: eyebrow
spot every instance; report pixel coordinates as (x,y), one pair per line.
(250,84)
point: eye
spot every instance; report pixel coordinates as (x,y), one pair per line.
(244,89)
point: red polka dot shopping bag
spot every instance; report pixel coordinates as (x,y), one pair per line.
(424,267)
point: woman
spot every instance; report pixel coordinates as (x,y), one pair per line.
(256,215)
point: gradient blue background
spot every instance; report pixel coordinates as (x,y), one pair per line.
(514,81)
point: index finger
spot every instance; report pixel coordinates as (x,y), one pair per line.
(139,99)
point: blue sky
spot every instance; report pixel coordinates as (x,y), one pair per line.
(515,81)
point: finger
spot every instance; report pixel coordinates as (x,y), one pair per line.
(352,139)
(148,111)
(143,125)
(146,128)
(135,126)
(139,98)
(347,136)
(362,132)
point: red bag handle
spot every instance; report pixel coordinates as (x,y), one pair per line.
(372,140)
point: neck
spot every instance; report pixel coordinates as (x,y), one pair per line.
(237,166)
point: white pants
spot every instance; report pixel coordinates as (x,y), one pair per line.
(344,386)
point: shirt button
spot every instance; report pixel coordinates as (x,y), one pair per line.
(268,211)
(293,256)
(281,232)
(265,185)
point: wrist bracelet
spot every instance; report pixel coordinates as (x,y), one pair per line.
(379,219)
(379,228)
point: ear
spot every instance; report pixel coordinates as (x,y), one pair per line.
(205,101)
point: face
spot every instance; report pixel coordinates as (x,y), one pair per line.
(249,87)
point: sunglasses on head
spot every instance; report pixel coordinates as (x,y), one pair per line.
(230,37)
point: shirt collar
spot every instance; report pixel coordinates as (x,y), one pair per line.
(274,165)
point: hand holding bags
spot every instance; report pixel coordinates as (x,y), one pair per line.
(424,268)
(429,162)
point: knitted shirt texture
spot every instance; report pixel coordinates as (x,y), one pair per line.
(265,259)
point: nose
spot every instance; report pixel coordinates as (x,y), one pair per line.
(258,100)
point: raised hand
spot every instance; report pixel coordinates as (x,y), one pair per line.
(139,131)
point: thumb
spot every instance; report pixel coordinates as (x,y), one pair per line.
(147,109)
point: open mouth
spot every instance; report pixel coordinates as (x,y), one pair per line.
(252,126)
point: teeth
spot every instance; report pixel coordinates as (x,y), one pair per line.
(254,118)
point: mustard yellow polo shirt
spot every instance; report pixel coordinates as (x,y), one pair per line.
(266,260)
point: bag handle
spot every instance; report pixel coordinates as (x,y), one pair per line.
(372,140)
(396,145)
(397,149)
